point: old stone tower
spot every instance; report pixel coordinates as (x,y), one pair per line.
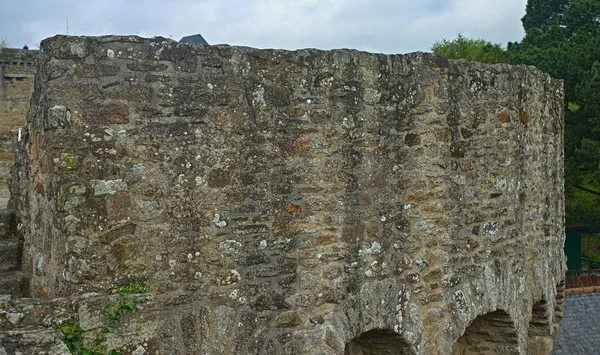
(17,68)
(277,202)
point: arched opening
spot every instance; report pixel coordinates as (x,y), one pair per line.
(539,330)
(539,325)
(558,308)
(378,342)
(489,334)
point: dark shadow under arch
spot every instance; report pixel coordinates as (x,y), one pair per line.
(540,329)
(490,334)
(558,308)
(539,324)
(378,342)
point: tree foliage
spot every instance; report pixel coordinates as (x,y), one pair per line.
(562,37)
(476,50)
(540,13)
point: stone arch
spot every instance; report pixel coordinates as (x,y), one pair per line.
(540,329)
(558,308)
(378,342)
(489,334)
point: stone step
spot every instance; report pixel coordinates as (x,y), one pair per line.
(35,340)
(7,224)
(26,312)
(12,283)
(10,255)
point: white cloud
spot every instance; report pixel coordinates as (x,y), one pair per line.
(496,21)
(390,26)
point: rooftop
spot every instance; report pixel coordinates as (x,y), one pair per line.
(578,332)
(17,55)
(193,39)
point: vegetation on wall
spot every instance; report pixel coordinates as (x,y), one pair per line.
(562,38)
(75,338)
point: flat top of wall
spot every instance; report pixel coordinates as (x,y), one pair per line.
(80,47)
(16,55)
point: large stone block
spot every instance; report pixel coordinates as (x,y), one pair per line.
(296,202)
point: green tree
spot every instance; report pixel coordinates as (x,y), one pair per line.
(476,50)
(562,37)
(540,13)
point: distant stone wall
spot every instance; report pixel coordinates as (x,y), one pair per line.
(314,202)
(17,69)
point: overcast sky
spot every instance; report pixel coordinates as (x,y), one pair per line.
(388,26)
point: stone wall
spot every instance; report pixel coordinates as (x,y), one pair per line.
(17,69)
(277,202)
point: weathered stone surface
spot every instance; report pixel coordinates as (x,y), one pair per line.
(295,202)
(23,313)
(33,341)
